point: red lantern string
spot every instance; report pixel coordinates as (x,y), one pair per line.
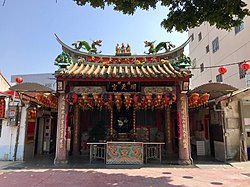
(148,100)
(217,66)
(71,98)
(127,100)
(96,98)
(118,101)
(138,101)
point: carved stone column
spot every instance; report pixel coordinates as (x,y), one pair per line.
(76,130)
(61,151)
(168,131)
(183,132)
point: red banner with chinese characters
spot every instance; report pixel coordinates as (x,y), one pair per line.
(2,107)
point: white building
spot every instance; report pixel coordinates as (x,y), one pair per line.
(4,84)
(25,128)
(7,132)
(212,47)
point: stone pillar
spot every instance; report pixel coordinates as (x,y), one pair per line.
(183,132)
(76,134)
(61,151)
(168,131)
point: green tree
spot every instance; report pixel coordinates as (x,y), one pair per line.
(183,14)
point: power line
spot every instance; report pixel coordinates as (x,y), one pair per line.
(217,66)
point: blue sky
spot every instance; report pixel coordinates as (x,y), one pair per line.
(28,44)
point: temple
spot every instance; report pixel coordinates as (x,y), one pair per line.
(122,108)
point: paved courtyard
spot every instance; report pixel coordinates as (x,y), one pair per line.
(199,175)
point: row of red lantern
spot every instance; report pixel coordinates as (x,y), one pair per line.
(98,100)
(48,101)
(244,66)
(139,101)
(195,100)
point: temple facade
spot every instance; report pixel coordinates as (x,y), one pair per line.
(123,108)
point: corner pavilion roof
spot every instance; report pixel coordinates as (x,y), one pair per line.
(96,67)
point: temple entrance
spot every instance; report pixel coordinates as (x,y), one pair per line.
(123,123)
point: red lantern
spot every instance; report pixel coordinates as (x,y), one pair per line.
(71,98)
(107,100)
(138,100)
(222,70)
(19,80)
(169,98)
(194,97)
(245,66)
(205,97)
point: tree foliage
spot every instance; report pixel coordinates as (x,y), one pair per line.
(183,14)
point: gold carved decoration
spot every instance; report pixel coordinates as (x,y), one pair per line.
(87,89)
(184,121)
(158,89)
(62,122)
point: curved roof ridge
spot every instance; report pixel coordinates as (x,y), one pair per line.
(181,47)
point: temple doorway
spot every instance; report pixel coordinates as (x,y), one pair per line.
(123,123)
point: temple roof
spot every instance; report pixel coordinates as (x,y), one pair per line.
(163,69)
(81,65)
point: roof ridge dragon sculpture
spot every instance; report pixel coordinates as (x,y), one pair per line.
(162,45)
(90,48)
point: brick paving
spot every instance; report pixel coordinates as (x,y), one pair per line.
(141,177)
(42,172)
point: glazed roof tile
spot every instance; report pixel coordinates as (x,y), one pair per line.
(163,69)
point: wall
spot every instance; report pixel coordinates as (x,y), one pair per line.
(8,139)
(220,151)
(233,122)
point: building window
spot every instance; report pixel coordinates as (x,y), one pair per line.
(1,125)
(242,73)
(192,37)
(207,48)
(239,28)
(219,78)
(202,67)
(215,44)
(199,36)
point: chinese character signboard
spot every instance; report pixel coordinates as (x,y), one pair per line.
(2,107)
(123,87)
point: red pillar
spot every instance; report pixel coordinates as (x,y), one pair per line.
(61,151)
(183,132)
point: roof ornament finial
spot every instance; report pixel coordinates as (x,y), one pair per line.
(123,51)
(183,61)
(63,60)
